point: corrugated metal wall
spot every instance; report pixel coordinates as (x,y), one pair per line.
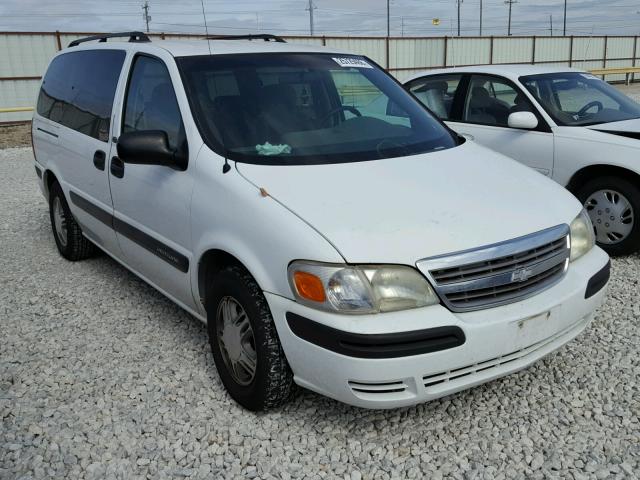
(24,56)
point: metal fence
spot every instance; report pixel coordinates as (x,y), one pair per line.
(24,56)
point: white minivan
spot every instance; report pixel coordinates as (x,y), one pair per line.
(375,257)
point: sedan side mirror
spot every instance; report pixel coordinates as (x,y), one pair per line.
(149,147)
(522,120)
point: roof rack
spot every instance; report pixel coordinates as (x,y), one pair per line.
(133,37)
(267,37)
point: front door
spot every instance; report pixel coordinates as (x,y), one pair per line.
(489,101)
(151,202)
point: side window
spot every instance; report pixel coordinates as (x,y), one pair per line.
(151,102)
(436,93)
(78,90)
(491,100)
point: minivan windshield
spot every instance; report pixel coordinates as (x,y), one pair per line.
(301,108)
(580,99)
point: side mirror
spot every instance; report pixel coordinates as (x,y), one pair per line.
(148,147)
(523,120)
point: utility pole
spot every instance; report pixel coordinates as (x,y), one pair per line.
(564,28)
(510,3)
(480,17)
(311,8)
(551,24)
(458,2)
(403,26)
(388,20)
(145,15)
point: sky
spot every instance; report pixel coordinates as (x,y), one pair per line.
(331,17)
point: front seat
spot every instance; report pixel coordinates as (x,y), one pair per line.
(279,112)
(480,105)
(521,104)
(432,94)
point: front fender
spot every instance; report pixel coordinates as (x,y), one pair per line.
(230,214)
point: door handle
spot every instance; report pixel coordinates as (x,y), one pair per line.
(117,167)
(99,159)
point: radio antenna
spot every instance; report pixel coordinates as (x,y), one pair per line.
(206,28)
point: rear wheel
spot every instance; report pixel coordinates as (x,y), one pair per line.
(244,342)
(71,244)
(613,204)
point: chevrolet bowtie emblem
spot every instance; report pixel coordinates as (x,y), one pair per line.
(521,275)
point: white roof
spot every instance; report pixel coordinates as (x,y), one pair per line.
(512,72)
(183,48)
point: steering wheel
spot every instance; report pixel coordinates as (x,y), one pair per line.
(583,111)
(339,109)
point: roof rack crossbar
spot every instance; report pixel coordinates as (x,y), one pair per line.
(267,37)
(133,37)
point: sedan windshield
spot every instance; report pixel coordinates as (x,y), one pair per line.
(306,108)
(578,99)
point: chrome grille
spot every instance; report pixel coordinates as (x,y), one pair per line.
(502,273)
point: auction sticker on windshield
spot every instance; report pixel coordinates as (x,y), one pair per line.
(351,62)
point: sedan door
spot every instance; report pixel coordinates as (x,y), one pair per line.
(488,102)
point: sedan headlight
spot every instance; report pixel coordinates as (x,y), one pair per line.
(582,236)
(359,289)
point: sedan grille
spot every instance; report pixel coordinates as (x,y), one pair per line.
(501,273)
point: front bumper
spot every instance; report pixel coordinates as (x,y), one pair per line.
(496,342)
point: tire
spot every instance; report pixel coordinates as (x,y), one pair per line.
(71,244)
(618,191)
(272,382)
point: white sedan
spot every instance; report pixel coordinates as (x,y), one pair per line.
(565,123)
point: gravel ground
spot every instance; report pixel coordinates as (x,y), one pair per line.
(15,135)
(102,377)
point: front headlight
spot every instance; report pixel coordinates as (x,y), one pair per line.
(582,236)
(359,289)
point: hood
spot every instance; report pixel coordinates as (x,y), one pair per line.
(400,210)
(625,128)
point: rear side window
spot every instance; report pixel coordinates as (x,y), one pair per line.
(78,90)
(436,93)
(151,102)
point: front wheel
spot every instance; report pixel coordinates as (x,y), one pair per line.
(613,204)
(244,342)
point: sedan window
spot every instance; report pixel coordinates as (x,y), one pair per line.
(436,93)
(491,100)
(576,99)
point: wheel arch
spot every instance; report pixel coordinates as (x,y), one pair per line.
(210,263)
(48,178)
(593,171)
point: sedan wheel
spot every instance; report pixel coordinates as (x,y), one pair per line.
(612,216)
